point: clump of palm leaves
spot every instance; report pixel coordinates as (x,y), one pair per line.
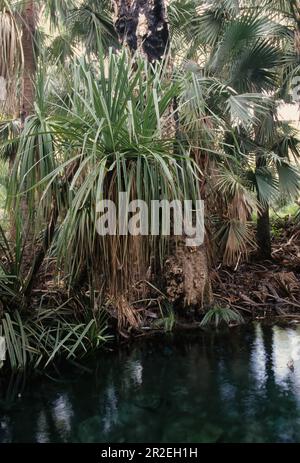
(10,269)
(252,51)
(48,335)
(9,132)
(105,138)
(168,317)
(218,315)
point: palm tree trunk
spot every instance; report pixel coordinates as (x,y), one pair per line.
(29,18)
(263,234)
(29,24)
(295,8)
(142,24)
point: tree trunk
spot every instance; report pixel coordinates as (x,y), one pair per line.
(142,24)
(295,9)
(29,22)
(263,234)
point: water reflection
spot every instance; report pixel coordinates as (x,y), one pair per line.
(259,358)
(42,433)
(110,417)
(286,350)
(135,368)
(5,429)
(62,416)
(210,387)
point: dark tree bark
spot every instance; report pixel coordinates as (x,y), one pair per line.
(143,24)
(263,234)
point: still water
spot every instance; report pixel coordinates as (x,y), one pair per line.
(232,386)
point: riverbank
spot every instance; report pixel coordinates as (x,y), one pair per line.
(62,325)
(265,289)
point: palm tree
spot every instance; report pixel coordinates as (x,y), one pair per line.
(244,45)
(109,145)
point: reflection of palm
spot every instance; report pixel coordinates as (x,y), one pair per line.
(290,364)
(295,354)
(2,350)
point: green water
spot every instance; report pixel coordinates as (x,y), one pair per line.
(233,386)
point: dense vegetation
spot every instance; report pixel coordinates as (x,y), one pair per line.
(164,100)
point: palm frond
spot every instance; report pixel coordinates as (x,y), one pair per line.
(218,315)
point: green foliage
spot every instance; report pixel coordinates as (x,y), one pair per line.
(10,268)
(218,315)
(49,335)
(109,130)
(168,317)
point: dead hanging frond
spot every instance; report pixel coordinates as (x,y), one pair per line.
(241,206)
(238,240)
(11,56)
(234,234)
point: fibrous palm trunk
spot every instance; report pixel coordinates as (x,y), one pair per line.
(29,24)
(263,233)
(29,21)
